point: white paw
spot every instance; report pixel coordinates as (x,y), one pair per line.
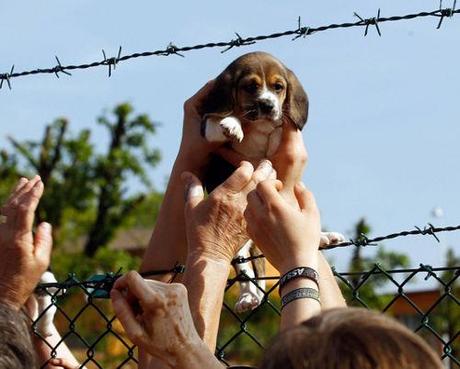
(247,301)
(331,238)
(231,128)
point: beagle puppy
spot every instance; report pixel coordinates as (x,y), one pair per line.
(250,102)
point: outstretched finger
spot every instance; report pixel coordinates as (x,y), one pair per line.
(21,183)
(304,197)
(27,186)
(193,191)
(238,180)
(139,289)
(43,243)
(126,316)
(269,190)
(27,204)
(65,363)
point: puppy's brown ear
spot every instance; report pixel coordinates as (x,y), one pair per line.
(297,101)
(220,99)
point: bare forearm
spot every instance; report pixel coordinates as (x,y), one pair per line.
(302,309)
(53,342)
(205,280)
(198,357)
(168,244)
(331,296)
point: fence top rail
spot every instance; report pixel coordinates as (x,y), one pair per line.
(300,31)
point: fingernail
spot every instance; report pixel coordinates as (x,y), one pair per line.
(195,190)
(46,227)
(301,185)
(266,168)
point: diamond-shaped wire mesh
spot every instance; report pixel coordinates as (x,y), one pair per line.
(87,324)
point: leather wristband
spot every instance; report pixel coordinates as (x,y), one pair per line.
(299,272)
(300,293)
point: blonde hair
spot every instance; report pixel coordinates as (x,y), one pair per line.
(350,338)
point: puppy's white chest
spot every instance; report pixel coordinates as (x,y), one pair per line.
(260,142)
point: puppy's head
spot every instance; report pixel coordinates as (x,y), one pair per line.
(257,86)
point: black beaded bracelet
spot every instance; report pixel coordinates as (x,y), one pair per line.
(299,272)
(300,293)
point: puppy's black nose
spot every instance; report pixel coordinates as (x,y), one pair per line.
(266,106)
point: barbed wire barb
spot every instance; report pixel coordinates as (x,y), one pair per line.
(172,49)
(111,62)
(301,31)
(237,42)
(429,229)
(6,77)
(60,69)
(369,21)
(446,12)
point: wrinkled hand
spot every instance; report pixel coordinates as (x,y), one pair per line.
(24,257)
(155,315)
(215,226)
(287,235)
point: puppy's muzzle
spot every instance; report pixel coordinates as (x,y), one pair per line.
(266,107)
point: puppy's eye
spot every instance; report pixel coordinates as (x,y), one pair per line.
(278,87)
(251,87)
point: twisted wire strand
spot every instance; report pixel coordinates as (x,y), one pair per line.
(299,32)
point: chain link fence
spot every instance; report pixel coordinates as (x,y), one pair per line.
(426,299)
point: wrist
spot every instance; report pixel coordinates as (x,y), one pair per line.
(305,260)
(197,355)
(212,260)
(9,299)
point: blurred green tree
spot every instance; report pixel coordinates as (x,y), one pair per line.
(87,191)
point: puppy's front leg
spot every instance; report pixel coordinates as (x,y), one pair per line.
(219,129)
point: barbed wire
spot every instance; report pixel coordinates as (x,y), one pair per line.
(363,240)
(300,31)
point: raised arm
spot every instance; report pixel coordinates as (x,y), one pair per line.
(25,257)
(215,233)
(168,244)
(289,238)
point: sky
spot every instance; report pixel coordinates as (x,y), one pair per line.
(382,133)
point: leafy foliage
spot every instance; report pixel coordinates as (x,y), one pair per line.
(87,194)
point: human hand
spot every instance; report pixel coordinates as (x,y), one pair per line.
(289,159)
(24,257)
(287,235)
(156,316)
(215,226)
(194,148)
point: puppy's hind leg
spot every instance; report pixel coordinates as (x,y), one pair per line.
(251,293)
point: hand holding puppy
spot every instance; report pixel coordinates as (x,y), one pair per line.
(288,235)
(215,226)
(25,257)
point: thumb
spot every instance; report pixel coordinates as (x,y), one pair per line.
(43,243)
(193,190)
